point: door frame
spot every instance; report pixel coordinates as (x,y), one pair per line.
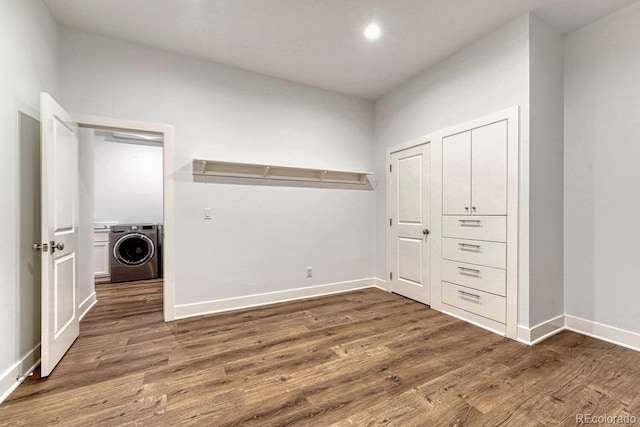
(168,199)
(435,202)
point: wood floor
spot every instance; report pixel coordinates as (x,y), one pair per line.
(356,359)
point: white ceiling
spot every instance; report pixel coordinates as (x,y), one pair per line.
(319,42)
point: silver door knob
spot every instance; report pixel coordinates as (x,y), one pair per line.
(37,247)
(59,246)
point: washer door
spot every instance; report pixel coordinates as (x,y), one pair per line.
(133,249)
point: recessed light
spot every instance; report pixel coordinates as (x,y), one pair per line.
(372,32)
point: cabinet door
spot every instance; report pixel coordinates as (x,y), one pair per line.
(489,169)
(456,174)
(101,265)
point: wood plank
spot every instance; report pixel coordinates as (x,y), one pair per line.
(360,358)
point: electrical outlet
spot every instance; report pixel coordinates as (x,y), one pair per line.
(309,272)
(206,213)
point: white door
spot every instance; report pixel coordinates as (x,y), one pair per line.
(59,183)
(489,169)
(456,174)
(410,243)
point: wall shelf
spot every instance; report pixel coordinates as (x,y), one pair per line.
(213,168)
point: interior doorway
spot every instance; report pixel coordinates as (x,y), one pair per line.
(121,199)
(36,245)
(144,135)
(409,216)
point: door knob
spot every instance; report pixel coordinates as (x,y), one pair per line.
(37,247)
(426,231)
(59,246)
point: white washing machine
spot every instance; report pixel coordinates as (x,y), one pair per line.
(135,252)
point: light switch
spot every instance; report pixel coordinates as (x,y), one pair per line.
(206,212)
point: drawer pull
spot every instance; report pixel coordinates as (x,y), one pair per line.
(471,270)
(468,294)
(469,222)
(468,245)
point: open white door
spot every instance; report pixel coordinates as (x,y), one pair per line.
(59,175)
(410,243)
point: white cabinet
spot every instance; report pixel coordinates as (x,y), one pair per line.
(474,171)
(101,259)
(469,300)
(478,267)
(456,174)
(492,228)
(473,226)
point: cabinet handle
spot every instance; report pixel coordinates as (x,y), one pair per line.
(466,208)
(472,270)
(473,208)
(467,294)
(469,222)
(469,245)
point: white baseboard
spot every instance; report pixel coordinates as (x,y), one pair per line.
(474,319)
(9,380)
(87,304)
(217,306)
(602,332)
(382,284)
(542,331)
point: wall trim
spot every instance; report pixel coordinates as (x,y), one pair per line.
(256,300)
(541,331)
(381,284)
(611,334)
(25,366)
(474,319)
(602,332)
(87,304)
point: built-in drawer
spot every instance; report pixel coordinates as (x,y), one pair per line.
(493,228)
(487,279)
(481,303)
(492,254)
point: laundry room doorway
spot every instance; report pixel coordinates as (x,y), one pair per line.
(66,244)
(126,210)
(121,173)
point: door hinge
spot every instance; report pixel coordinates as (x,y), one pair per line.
(389,168)
(390,276)
(390,222)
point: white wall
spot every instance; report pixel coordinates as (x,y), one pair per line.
(128,182)
(602,154)
(261,239)
(546,291)
(28,54)
(490,75)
